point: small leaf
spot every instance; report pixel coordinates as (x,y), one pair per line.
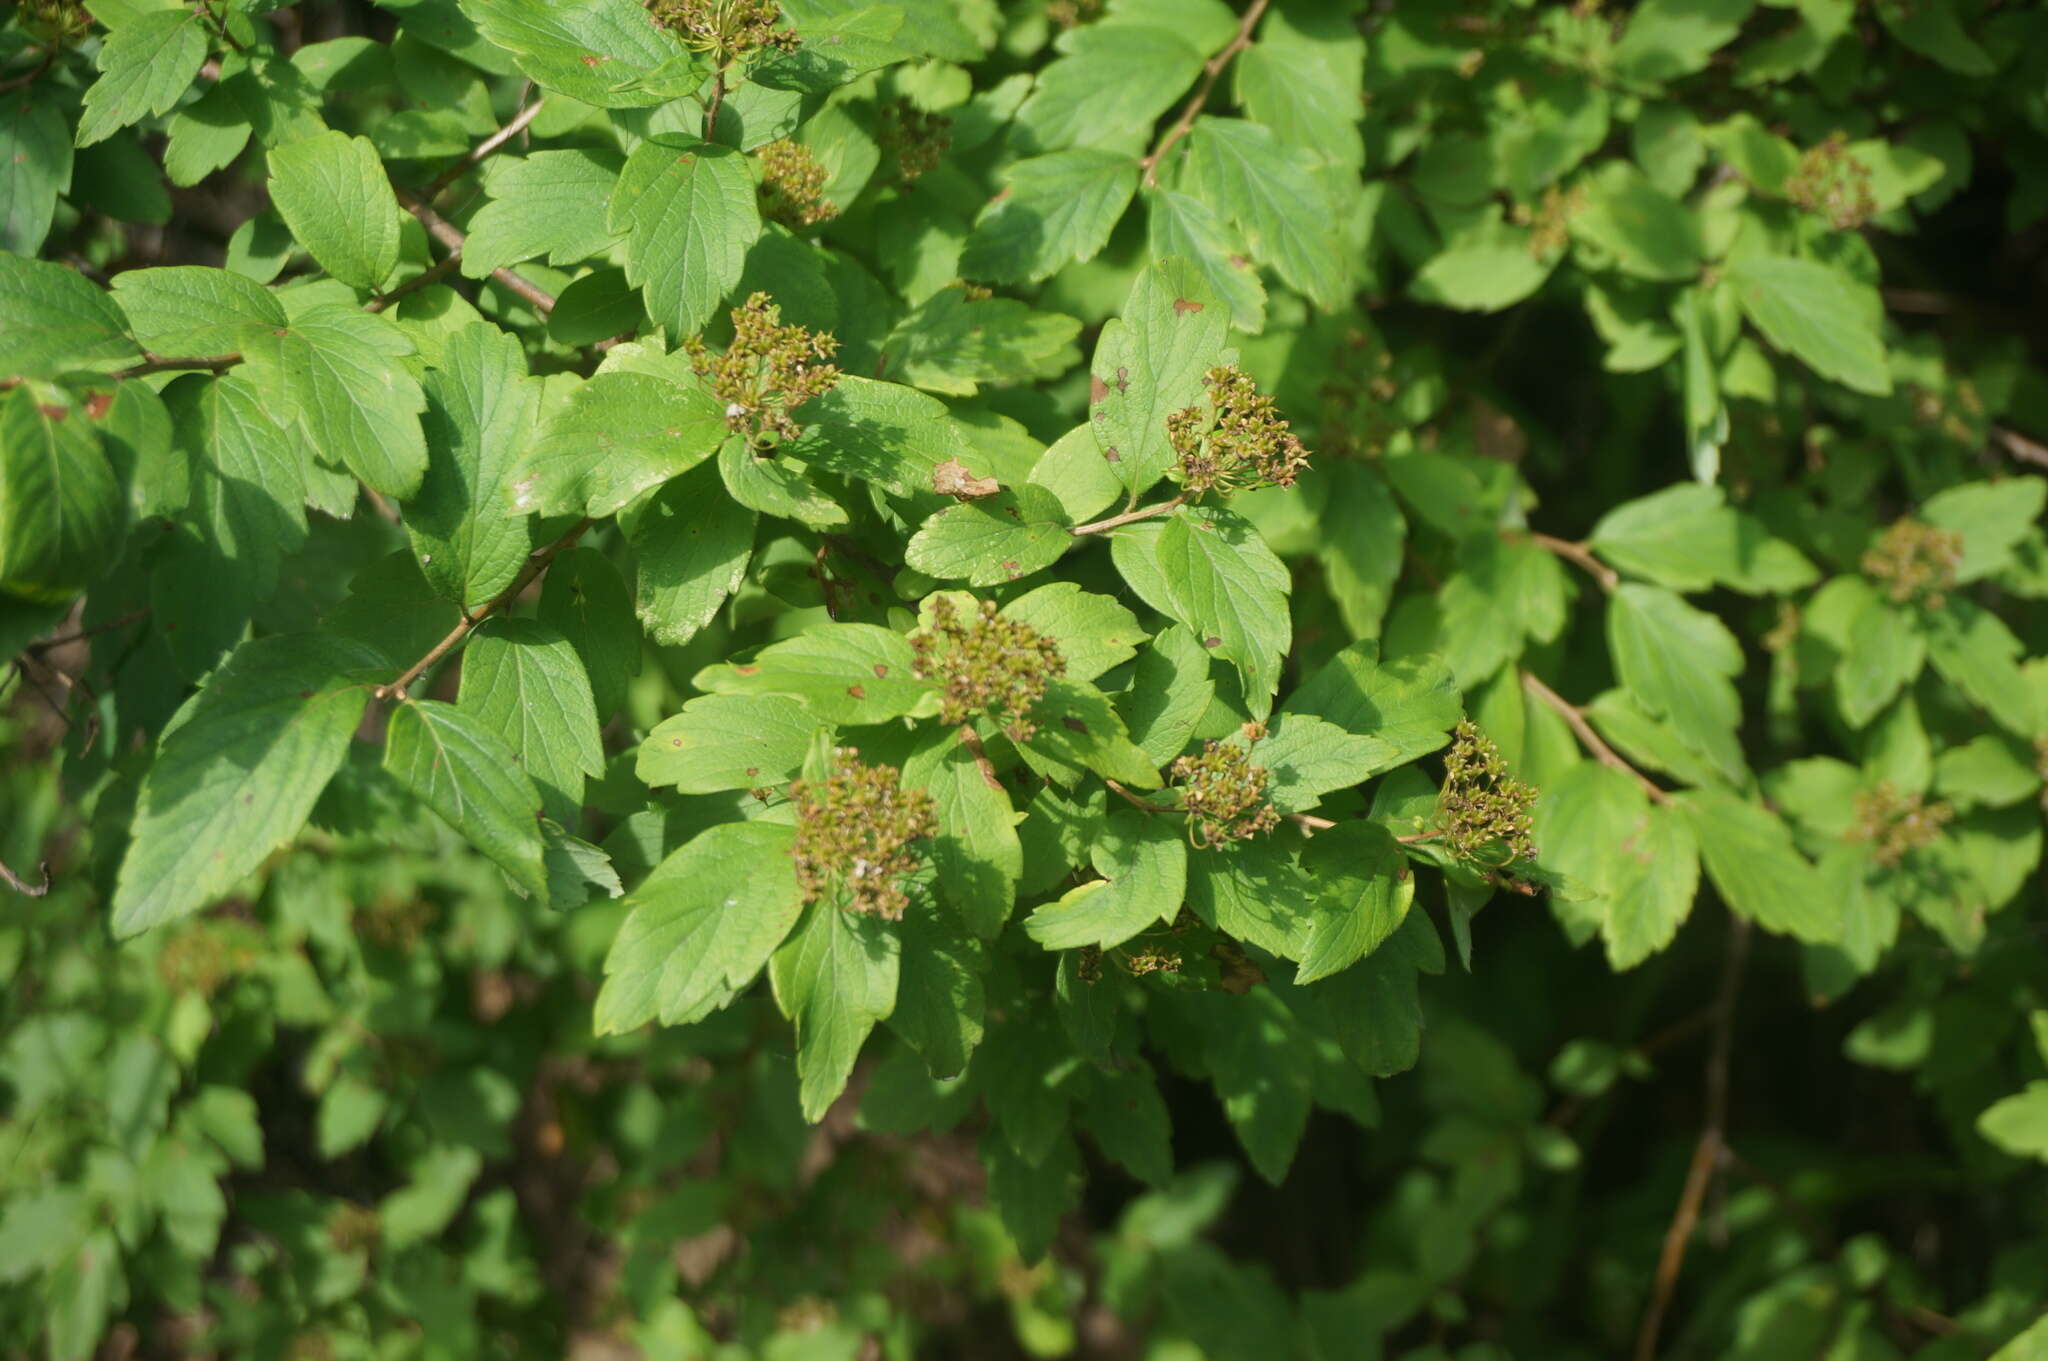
(834,977)
(1001,538)
(1143,861)
(721,742)
(331,191)
(467,774)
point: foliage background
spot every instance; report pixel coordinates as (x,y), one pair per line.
(1671,374)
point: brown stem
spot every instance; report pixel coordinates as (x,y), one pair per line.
(1128,797)
(48,644)
(1707,1152)
(450,235)
(219,363)
(711,105)
(535,565)
(2021,447)
(220,25)
(1130,517)
(33,74)
(1575,717)
(971,740)
(1578,554)
(1309,822)
(1212,71)
(482,151)
(432,274)
(19,885)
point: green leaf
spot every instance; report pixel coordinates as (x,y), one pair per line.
(331,191)
(1030,1199)
(1254,891)
(1110,83)
(1676,662)
(1093,632)
(1643,230)
(430,1200)
(883,433)
(146,63)
(836,50)
(1408,704)
(35,167)
(61,508)
(1143,860)
(834,977)
(1489,266)
(350,1112)
(1275,194)
(1307,758)
(1229,588)
(992,540)
(939,996)
(686,209)
(540,207)
(1079,729)
(524,682)
(479,418)
(585,600)
(1816,313)
(1670,38)
(845,673)
(1073,469)
(1632,868)
(52,320)
(1363,889)
(1933,29)
(237,771)
(1974,651)
(1992,518)
(1151,363)
(453,762)
(720,742)
(1169,693)
(690,551)
(1750,857)
(700,928)
(2019,1123)
(1054,209)
(977,854)
(339,377)
(189,310)
(1182,226)
(953,343)
(618,435)
(1297,80)
(1686,537)
(595,51)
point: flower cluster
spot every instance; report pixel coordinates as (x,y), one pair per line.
(1915,562)
(792,185)
(1073,13)
(1894,825)
(767,372)
(912,138)
(727,29)
(990,665)
(854,831)
(1483,814)
(1239,443)
(1224,793)
(1831,182)
(58,22)
(1550,223)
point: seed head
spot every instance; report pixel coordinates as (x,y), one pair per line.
(1915,563)
(767,372)
(1893,824)
(913,139)
(726,29)
(1483,814)
(792,185)
(56,22)
(1224,794)
(854,831)
(1831,182)
(990,665)
(1238,442)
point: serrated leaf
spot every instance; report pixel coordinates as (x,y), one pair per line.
(1974,651)
(1632,868)
(146,63)
(456,765)
(845,673)
(976,853)
(939,995)
(1093,632)
(1169,693)
(479,418)
(1273,193)
(1668,38)
(1254,891)
(687,210)
(1231,590)
(992,540)
(883,433)
(525,683)
(1151,363)
(35,167)
(1883,653)
(700,928)
(1687,537)
(237,771)
(596,51)
(1110,82)
(1677,663)
(1078,729)
(1750,856)
(690,551)
(720,742)
(61,507)
(331,191)
(1643,230)
(1991,517)
(53,320)
(1143,861)
(953,343)
(618,435)
(834,977)
(540,206)
(837,49)
(1408,704)
(338,376)
(1307,758)
(186,309)
(1184,226)
(1363,889)
(1817,314)
(1054,209)
(2019,1123)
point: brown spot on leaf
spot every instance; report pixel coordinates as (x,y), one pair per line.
(1212,641)
(752,771)
(1097,389)
(745,670)
(1073,724)
(1181,307)
(96,405)
(954,478)
(592,60)
(856,692)
(1110,455)
(1010,567)
(55,413)
(1123,378)
(881,669)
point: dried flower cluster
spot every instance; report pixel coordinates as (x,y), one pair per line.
(1239,443)
(1483,814)
(1073,13)
(1894,825)
(854,833)
(1915,562)
(913,139)
(58,22)
(727,29)
(767,372)
(793,185)
(990,665)
(1224,793)
(1550,223)
(1831,182)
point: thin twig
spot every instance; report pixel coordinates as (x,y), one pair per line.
(1129,517)
(1128,797)
(2020,446)
(711,106)
(432,274)
(218,363)
(1575,717)
(22,886)
(48,644)
(1706,1153)
(450,235)
(220,25)
(1212,71)
(33,74)
(1309,822)
(482,151)
(535,565)
(1578,554)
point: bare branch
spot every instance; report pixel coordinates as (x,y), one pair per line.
(19,885)
(1129,517)
(1578,554)
(1212,71)
(1575,717)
